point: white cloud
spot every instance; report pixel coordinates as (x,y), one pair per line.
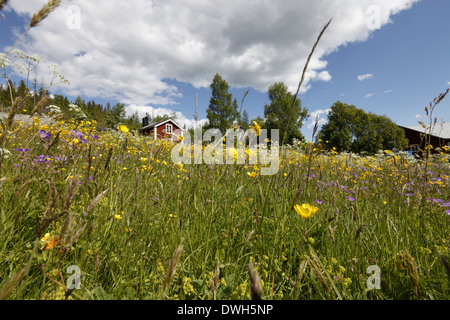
(321,115)
(126,50)
(366,76)
(387,91)
(370,95)
(418,116)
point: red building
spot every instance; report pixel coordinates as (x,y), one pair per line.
(167,129)
(439,137)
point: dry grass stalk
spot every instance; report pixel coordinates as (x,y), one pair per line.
(40,104)
(248,236)
(409,264)
(96,200)
(316,267)
(172,269)
(331,232)
(358,231)
(71,192)
(215,282)
(303,77)
(2,180)
(10,285)
(261,198)
(255,283)
(43,12)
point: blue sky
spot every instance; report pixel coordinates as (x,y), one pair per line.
(157,58)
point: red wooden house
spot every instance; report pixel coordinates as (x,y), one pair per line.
(167,129)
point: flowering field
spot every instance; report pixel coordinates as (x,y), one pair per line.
(134,225)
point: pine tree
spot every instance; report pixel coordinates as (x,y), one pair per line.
(222,111)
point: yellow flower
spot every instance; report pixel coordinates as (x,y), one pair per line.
(117,217)
(252,174)
(306,210)
(123,128)
(256,127)
(311,240)
(51,243)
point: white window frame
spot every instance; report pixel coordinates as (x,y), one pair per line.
(414,148)
(169,125)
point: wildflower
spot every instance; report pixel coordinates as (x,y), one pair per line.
(311,240)
(305,210)
(252,174)
(95,137)
(45,135)
(41,159)
(117,217)
(22,150)
(5,153)
(123,128)
(79,136)
(50,243)
(350,198)
(256,127)
(319,201)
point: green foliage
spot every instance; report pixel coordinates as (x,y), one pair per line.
(352,129)
(223,110)
(277,113)
(117,115)
(160,118)
(244,121)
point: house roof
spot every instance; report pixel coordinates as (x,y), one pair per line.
(157,124)
(440,130)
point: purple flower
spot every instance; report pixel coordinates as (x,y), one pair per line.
(95,137)
(320,201)
(45,135)
(41,159)
(78,135)
(448,212)
(23,150)
(351,199)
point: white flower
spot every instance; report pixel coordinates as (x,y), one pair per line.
(54,109)
(6,153)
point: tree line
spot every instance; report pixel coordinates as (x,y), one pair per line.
(348,128)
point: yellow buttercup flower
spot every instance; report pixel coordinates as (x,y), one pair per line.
(305,210)
(252,174)
(123,128)
(117,217)
(256,127)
